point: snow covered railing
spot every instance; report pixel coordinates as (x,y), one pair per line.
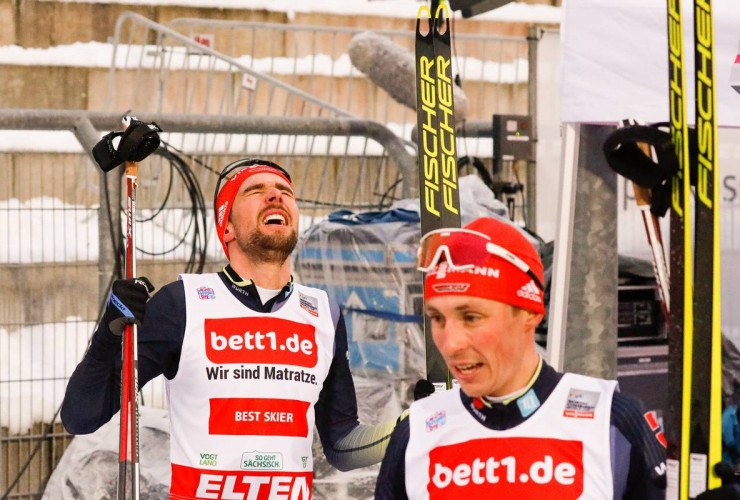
(174,52)
(493,70)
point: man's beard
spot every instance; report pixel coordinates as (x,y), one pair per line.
(267,248)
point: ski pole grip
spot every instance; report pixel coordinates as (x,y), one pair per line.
(136,142)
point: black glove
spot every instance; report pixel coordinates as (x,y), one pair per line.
(422,389)
(126,303)
(726,492)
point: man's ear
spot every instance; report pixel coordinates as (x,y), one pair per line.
(229,233)
(533,319)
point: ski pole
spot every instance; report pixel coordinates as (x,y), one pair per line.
(137,142)
(129,373)
(655,240)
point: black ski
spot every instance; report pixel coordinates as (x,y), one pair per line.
(680,324)
(705,430)
(438,187)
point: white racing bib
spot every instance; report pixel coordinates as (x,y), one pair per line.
(242,402)
(561,452)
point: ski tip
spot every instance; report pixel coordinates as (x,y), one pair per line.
(440,8)
(422,9)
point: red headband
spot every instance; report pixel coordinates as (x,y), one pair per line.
(497,279)
(225,198)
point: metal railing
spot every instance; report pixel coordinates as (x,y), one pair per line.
(493,70)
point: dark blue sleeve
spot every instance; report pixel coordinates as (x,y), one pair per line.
(642,454)
(391,483)
(94,390)
(336,409)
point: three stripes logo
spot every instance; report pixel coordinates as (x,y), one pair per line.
(530,292)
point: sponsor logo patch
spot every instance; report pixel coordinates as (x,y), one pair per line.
(208,459)
(205,293)
(490,272)
(188,482)
(451,287)
(222,213)
(530,292)
(652,420)
(528,403)
(581,404)
(258,417)
(507,468)
(310,304)
(437,420)
(259,460)
(260,340)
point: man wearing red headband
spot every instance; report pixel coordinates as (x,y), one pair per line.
(514,428)
(253,361)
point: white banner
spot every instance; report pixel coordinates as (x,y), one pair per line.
(615,60)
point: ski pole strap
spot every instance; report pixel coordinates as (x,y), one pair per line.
(627,159)
(136,143)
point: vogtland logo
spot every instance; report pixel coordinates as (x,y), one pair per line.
(530,292)
(208,459)
(507,468)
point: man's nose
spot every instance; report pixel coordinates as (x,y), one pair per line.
(454,339)
(274,194)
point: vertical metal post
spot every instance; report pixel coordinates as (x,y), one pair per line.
(533,39)
(591,344)
(87,136)
(559,284)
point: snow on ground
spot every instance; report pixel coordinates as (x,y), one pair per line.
(71,232)
(35,363)
(39,141)
(513,12)
(100,55)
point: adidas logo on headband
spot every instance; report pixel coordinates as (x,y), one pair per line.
(530,291)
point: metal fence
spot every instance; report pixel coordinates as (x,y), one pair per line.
(493,71)
(344,140)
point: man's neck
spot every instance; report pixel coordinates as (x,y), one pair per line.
(264,274)
(506,399)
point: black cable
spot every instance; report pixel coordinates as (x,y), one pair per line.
(116,239)
(197,224)
(391,188)
(164,201)
(479,167)
(525,210)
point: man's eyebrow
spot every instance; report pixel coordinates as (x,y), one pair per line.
(284,186)
(257,187)
(430,309)
(464,307)
(460,308)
